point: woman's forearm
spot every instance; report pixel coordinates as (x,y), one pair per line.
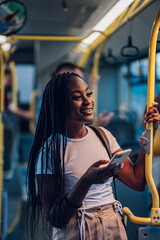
(94,175)
(133,175)
(60,213)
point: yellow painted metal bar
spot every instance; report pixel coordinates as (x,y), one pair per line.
(47,38)
(133,7)
(145,1)
(125,13)
(95,73)
(1,132)
(155,210)
(84,58)
(143,6)
(32,124)
(107,33)
(150,99)
(97,59)
(50,38)
(127,18)
(14,84)
(134,219)
(132,12)
(98,41)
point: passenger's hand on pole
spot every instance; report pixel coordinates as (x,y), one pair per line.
(97,174)
(152,116)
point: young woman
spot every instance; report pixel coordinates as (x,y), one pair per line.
(74,188)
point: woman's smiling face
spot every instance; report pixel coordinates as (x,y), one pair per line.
(81,102)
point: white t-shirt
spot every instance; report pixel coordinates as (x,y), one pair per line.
(79,156)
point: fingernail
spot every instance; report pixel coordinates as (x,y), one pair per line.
(122,164)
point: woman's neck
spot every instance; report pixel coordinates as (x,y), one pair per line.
(77,131)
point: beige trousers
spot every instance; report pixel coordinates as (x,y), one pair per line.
(99,223)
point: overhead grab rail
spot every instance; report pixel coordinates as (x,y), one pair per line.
(110,58)
(155,210)
(131,13)
(129,50)
(51,38)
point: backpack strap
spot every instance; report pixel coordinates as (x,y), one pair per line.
(102,136)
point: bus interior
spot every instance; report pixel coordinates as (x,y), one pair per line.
(39,36)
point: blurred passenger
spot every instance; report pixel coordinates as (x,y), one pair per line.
(26,114)
(103,118)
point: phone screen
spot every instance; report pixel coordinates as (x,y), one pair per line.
(120,156)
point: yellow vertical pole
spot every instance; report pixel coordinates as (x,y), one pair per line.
(95,73)
(32,108)
(1,132)
(14,84)
(150,99)
(155,210)
(84,58)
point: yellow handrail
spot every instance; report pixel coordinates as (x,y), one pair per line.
(47,38)
(150,99)
(95,73)
(133,11)
(97,55)
(14,84)
(51,38)
(32,123)
(155,210)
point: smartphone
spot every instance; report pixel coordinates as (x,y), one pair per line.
(119,157)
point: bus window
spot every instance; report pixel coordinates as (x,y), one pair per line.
(26,81)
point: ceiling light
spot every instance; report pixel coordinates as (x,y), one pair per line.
(3,39)
(113,13)
(6,47)
(109,18)
(90,39)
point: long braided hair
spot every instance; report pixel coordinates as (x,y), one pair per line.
(52,120)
